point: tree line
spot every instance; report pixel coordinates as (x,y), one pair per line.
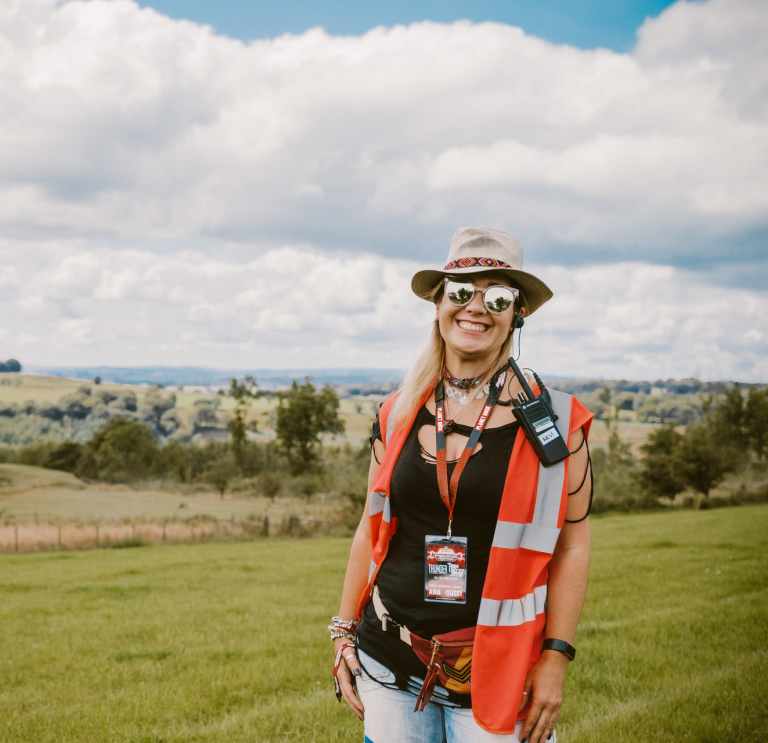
(127,449)
(731,437)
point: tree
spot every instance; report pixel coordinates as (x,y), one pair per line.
(122,451)
(10,366)
(271,484)
(175,460)
(660,474)
(756,420)
(97,379)
(730,419)
(220,473)
(243,393)
(701,459)
(303,415)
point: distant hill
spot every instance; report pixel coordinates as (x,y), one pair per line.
(364,379)
(349,381)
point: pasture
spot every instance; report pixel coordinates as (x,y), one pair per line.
(227,642)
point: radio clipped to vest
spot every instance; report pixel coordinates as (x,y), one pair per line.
(537,419)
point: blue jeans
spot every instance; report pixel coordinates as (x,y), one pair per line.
(389,715)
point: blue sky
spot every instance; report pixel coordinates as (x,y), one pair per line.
(586,24)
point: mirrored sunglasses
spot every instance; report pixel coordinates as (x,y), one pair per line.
(497,298)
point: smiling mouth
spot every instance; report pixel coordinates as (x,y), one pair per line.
(474,327)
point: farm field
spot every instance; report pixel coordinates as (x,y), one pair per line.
(227,642)
(48,509)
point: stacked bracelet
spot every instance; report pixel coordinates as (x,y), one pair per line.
(342,628)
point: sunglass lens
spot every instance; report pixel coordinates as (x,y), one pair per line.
(500,298)
(459,292)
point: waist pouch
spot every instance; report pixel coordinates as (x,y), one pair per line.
(448,657)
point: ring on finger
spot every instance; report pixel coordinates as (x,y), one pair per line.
(348,656)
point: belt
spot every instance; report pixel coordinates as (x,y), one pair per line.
(388,624)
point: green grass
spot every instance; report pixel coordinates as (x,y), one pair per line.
(227,642)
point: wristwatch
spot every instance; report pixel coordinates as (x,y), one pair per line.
(561,646)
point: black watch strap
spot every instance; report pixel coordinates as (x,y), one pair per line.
(561,646)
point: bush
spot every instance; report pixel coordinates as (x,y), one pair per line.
(65,457)
(7,455)
(34,454)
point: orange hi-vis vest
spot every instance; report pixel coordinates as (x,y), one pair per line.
(510,624)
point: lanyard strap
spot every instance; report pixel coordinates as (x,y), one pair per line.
(448,492)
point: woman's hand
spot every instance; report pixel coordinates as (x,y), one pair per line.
(349,668)
(543,692)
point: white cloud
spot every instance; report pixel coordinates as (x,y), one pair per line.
(119,121)
(295,306)
(170,196)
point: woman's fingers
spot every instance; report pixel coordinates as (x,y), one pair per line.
(352,663)
(539,733)
(526,698)
(541,721)
(348,687)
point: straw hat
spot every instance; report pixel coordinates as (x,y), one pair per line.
(476,249)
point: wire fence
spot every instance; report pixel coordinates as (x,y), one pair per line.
(40,537)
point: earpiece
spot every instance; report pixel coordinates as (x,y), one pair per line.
(518,323)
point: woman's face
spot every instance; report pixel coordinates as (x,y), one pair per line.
(472,331)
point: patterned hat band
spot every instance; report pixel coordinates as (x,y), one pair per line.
(472,262)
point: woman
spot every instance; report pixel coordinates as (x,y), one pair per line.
(472,540)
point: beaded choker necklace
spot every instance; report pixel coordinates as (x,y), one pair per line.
(462,390)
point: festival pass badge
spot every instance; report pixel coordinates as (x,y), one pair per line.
(445,569)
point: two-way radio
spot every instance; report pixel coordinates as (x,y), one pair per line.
(537,419)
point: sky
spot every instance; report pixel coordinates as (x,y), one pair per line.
(253,187)
(587,24)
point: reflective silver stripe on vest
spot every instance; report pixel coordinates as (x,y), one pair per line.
(378,501)
(388,432)
(513,612)
(371,570)
(387,516)
(542,533)
(507,535)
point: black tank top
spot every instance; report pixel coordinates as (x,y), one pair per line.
(415,500)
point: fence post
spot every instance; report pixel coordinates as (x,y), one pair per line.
(59,536)
(16,537)
(97,533)
(133,530)
(266,525)
(164,530)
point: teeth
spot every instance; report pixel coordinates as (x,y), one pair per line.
(471,326)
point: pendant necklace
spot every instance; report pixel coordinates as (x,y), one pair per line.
(462,391)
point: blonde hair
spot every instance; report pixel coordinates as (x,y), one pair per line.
(425,372)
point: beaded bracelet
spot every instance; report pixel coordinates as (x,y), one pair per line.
(342,628)
(337,633)
(349,624)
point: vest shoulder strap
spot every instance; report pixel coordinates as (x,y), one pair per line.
(384,411)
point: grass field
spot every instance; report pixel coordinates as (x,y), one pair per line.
(36,494)
(227,642)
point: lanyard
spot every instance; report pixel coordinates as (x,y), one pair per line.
(448,492)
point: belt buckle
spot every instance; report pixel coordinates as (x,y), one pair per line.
(390,625)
